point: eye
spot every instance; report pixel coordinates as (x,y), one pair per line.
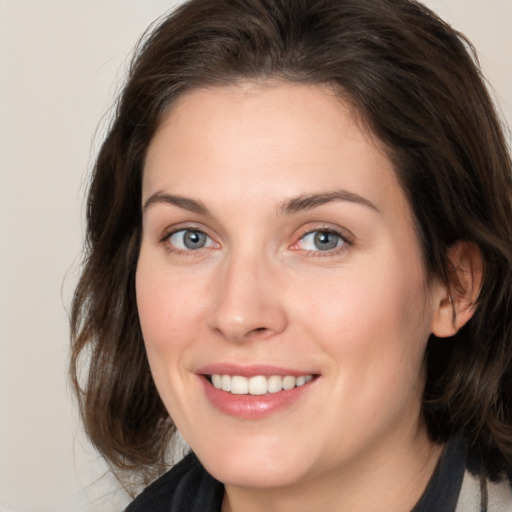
(189,240)
(321,240)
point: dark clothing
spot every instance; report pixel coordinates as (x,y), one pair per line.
(187,487)
(442,492)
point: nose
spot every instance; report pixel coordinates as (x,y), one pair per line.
(248,300)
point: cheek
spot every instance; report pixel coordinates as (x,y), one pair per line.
(372,320)
(168,308)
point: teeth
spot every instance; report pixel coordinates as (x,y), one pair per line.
(239,385)
(258,385)
(217,381)
(274,384)
(289,382)
(225,383)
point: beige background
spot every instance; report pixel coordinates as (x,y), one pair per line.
(60,63)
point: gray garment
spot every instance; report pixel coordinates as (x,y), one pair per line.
(473,491)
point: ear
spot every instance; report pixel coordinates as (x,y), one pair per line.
(455,301)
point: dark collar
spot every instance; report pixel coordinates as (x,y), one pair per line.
(442,492)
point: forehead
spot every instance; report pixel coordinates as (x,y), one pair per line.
(266,141)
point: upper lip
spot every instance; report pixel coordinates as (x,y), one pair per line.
(251,370)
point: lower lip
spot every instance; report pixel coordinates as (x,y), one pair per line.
(252,407)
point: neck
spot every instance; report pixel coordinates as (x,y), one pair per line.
(390,479)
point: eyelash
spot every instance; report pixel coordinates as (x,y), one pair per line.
(345,239)
(165,240)
(346,242)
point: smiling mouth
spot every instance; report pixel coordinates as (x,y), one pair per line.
(257,385)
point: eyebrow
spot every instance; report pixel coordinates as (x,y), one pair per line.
(181,202)
(290,206)
(309,201)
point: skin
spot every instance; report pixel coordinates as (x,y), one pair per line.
(261,292)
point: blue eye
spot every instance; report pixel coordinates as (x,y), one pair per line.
(190,239)
(321,241)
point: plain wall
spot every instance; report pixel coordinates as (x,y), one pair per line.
(60,66)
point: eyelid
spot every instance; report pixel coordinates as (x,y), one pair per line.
(346,237)
(176,228)
(176,242)
(173,230)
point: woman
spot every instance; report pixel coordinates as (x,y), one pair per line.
(300,256)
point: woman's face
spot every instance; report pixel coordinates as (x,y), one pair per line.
(279,260)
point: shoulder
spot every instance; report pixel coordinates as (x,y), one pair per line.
(496,495)
(483,489)
(187,487)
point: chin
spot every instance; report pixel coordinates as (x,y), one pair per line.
(255,468)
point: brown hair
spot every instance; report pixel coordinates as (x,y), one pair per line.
(417,86)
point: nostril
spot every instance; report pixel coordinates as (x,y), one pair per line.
(257,331)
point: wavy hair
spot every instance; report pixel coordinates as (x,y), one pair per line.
(416,84)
